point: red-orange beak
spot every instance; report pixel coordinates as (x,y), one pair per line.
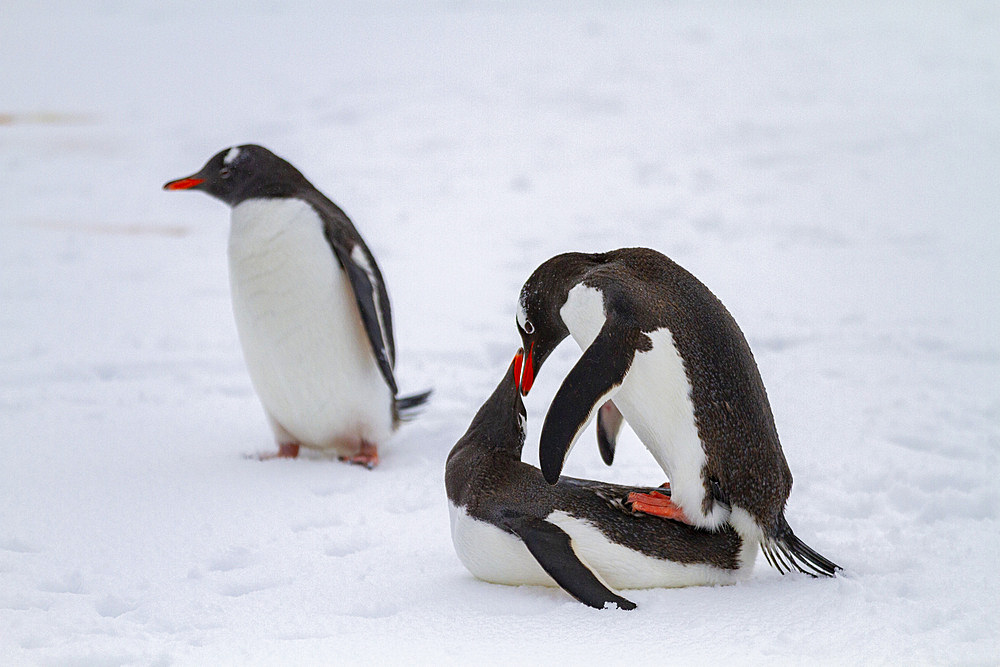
(527,374)
(183,183)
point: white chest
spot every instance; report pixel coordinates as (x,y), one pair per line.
(655,399)
(308,356)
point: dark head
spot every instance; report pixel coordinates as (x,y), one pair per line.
(538,320)
(502,420)
(243,172)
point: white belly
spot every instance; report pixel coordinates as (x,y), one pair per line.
(621,567)
(493,555)
(298,322)
(655,399)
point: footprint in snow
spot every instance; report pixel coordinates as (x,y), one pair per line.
(348,545)
(71,582)
(236,589)
(27,602)
(369,608)
(235,558)
(112,606)
(17,546)
(322,523)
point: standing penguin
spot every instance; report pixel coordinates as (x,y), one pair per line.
(510,527)
(662,352)
(311,308)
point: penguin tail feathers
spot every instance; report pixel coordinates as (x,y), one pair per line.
(786,552)
(406,408)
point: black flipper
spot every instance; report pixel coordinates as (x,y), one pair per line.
(373,305)
(553,549)
(609,423)
(786,552)
(406,408)
(589,384)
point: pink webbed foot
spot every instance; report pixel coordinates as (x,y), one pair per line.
(285,451)
(657,504)
(367,456)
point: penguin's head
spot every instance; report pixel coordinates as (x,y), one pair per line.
(538,320)
(242,172)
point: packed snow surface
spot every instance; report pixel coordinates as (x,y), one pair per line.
(830,170)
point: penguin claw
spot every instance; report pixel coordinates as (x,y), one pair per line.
(360,460)
(367,457)
(656,504)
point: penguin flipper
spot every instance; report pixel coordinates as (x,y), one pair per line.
(372,304)
(609,423)
(552,547)
(592,382)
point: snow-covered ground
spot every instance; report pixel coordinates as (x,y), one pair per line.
(830,170)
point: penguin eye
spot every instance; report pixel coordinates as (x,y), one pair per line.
(225,173)
(529,328)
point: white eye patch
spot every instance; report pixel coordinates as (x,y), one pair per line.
(231,156)
(522,318)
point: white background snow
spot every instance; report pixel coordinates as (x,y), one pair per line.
(830,170)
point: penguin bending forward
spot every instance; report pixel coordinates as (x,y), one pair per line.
(663,353)
(511,527)
(311,308)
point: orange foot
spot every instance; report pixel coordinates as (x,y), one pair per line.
(367,457)
(285,451)
(657,504)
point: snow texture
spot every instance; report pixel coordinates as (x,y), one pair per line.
(830,170)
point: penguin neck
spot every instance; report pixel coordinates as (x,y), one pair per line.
(560,278)
(499,426)
(583,313)
(261,190)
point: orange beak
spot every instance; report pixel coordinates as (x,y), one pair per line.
(183,183)
(528,373)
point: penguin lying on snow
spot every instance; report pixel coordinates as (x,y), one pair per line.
(311,308)
(511,527)
(662,352)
